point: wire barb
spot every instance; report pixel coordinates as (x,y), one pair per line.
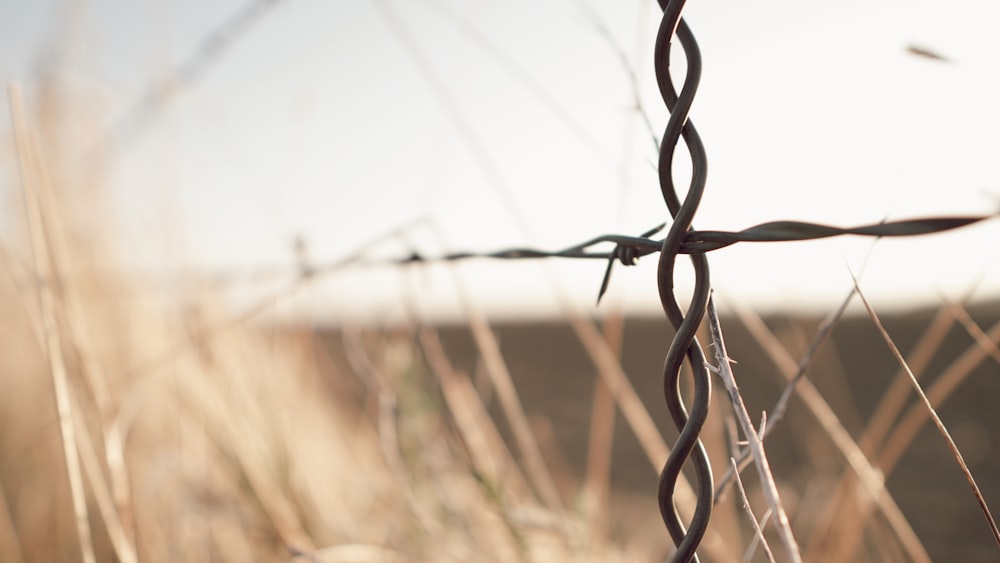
(628,249)
(682,238)
(627,254)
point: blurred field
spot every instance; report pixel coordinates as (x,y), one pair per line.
(133,428)
(853,372)
(135,431)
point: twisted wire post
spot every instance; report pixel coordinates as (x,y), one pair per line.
(684,344)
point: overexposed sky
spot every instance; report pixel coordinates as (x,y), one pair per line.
(512,123)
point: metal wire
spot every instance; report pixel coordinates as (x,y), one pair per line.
(681,238)
(684,345)
(628,249)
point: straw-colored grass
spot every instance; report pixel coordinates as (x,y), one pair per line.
(238,443)
(140,433)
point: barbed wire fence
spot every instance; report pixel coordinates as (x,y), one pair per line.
(681,238)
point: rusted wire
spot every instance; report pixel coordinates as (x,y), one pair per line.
(681,238)
(684,345)
(628,249)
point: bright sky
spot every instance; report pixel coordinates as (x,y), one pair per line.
(512,123)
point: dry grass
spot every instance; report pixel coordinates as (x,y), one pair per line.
(244,443)
(239,443)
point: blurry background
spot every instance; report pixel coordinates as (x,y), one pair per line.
(183,165)
(225,132)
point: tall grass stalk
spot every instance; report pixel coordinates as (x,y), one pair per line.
(753,436)
(32,179)
(932,413)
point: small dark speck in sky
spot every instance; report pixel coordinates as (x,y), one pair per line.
(926,53)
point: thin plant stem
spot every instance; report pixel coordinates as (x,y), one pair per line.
(531,454)
(871,478)
(942,429)
(794,373)
(756,445)
(758,531)
(490,456)
(31,175)
(906,429)
(976,332)
(597,481)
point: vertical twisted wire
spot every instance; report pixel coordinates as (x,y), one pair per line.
(684,344)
